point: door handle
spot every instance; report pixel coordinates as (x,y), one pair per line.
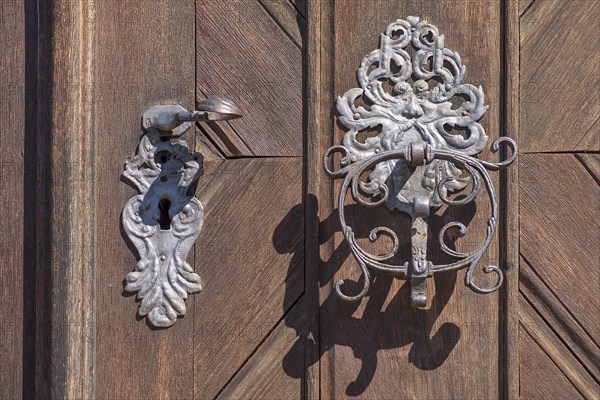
(164,220)
(177,120)
(414,163)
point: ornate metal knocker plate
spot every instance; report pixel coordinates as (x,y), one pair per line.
(414,163)
(165,219)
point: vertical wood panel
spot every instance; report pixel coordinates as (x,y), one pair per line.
(12,213)
(67,257)
(509,204)
(145,57)
(382,348)
(316,12)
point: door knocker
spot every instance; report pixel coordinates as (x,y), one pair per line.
(413,163)
(165,219)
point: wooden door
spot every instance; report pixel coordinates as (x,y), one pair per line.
(76,77)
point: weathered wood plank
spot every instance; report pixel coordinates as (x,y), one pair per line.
(316,12)
(287,17)
(524,6)
(560,70)
(509,206)
(559,225)
(15,329)
(543,335)
(554,314)
(67,133)
(275,370)
(145,57)
(536,367)
(244,54)
(250,256)
(365,344)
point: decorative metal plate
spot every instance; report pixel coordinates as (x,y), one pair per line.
(409,89)
(165,219)
(163,223)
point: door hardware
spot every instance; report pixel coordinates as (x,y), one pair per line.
(164,220)
(409,88)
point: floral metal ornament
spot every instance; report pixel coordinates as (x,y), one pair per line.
(165,219)
(415,161)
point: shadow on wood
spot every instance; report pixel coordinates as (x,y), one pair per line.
(378,322)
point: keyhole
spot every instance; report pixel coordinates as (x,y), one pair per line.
(165,220)
(162,157)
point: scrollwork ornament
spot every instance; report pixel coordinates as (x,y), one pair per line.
(162,222)
(410,90)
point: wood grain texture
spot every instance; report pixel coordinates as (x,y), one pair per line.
(560,67)
(13,268)
(569,366)
(509,204)
(67,148)
(144,58)
(559,209)
(251,52)
(288,17)
(272,371)
(559,226)
(312,152)
(591,163)
(546,312)
(250,256)
(536,366)
(365,344)
(524,6)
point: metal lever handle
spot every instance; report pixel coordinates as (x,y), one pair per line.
(174,120)
(413,163)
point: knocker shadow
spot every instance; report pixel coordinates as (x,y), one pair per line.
(383,322)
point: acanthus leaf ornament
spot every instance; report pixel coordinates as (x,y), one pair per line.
(414,163)
(165,219)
